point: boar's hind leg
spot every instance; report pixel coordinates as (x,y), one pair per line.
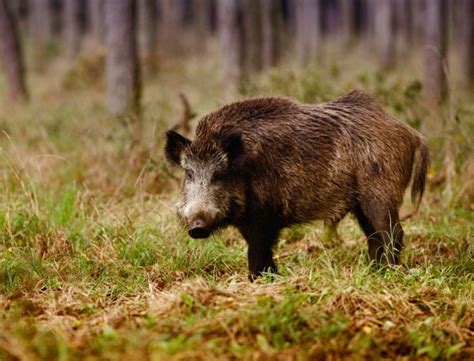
(260,255)
(381,225)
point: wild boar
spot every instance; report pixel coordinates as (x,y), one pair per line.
(267,163)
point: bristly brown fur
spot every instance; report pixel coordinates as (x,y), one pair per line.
(304,162)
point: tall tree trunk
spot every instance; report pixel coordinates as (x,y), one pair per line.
(330,16)
(95,13)
(14,7)
(123,85)
(272,23)
(384,39)
(289,21)
(72,28)
(229,14)
(11,56)
(202,23)
(455,18)
(308,30)
(41,22)
(170,25)
(434,51)
(418,19)
(147,28)
(370,8)
(252,27)
(466,45)
(347,21)
(402,25)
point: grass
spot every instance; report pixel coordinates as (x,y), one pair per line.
(93,264)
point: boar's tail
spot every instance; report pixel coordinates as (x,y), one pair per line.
(420,170)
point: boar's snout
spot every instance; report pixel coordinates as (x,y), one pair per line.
(199,229)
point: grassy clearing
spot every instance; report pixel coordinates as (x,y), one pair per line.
(94,265)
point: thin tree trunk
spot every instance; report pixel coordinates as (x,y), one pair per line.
(402,25)
(330,16)
(252,27)
(455,18)
(11,56)
(147,28)
(347,21)
(272,23)
(123,85)
(15,7)
(95,9)
(229,15)
(170,24)
(466,45)
(202,23)
(434,51)
(72,28)
(289,20)
(384,39)
(308,30)
(370,13)
(166,25)
(41,22)
(418,19)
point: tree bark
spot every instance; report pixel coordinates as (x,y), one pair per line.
(11,56)
(384,38)
(434,51)
(272,23)
(72,28)
(230,32)
(308,30)
(122,72)
(466,45)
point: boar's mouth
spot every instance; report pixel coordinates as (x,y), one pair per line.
(199,229)
(199,232)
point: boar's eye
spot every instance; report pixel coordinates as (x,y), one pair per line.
(189,175)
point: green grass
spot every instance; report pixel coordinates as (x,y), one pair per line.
(94,265)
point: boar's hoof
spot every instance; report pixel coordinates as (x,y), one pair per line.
(269,271)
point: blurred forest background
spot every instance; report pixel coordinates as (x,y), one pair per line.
(92,260)
(253,36)
(115,48)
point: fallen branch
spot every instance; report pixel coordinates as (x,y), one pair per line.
(183,125)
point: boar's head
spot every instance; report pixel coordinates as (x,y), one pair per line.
(213,192)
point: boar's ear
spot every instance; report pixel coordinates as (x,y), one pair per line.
(175,144)
(233,146)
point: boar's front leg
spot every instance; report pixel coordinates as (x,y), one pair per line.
(260,239)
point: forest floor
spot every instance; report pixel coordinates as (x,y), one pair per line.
(94,265)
